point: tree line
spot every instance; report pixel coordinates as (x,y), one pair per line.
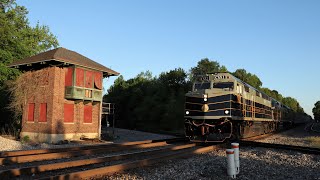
(316,111)
(153,103)
(18,40)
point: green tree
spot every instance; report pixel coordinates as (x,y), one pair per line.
(174,79)
(272,93)
(18,40)
(157,104)
(205,66)
(223,69)
(316,111)
(149,103)
(249,78)
(293,104)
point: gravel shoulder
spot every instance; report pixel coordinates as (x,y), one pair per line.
(298,136)
(255,163)
(316,127)
(125,135)
(13,145)
(120,135)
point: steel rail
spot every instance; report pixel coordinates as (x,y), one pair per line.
(44,151)
(133,164)
(68,154)
(52,150)
(259,137)
(79,152)
(76,163)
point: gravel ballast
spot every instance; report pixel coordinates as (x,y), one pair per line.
(256,163)
(297,136)
(125,135)
(11,145)
(121,135)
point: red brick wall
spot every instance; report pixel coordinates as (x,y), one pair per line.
(52,93)
(42,94)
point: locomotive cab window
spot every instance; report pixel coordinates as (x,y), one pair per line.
(239,89)
(223,85)
(258,93)
(199,86)
(246,88)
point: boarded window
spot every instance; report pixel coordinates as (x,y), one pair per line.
(68,77)
(79,77)
(68,112)
(31,112)
(87,114)
(43,112)
(89,80)
(98,80)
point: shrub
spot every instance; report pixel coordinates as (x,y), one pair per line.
(25,139)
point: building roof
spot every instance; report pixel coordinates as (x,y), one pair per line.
(65,56)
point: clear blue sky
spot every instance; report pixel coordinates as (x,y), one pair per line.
(279,41)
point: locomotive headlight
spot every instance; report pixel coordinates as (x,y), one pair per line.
(226,112)
(205,97)
(187,112)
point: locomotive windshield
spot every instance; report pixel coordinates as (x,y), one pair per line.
(204,85)
(220,85)
(223,85)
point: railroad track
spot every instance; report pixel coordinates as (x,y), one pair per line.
(305,150)
(89,161)
(263,136)
(15,157)
(259,137)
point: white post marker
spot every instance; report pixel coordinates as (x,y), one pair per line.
(235,147)
(231,169)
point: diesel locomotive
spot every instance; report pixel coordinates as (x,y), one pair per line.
(221,106)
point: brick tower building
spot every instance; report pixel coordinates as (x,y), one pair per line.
(66,99)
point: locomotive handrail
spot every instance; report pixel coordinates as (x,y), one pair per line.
(211,103)
(108,108)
